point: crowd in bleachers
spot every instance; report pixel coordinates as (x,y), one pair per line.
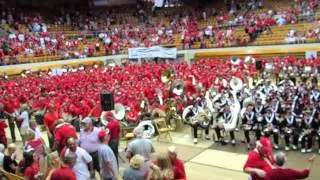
(112,31)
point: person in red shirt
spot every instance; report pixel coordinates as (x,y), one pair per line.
(260,160)
(65,171)
(114,127)
(3,126)
(31,165)
(9,109)
(62,132)
(282,173)
(177,164)
(49,120)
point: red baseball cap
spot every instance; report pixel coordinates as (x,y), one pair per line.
(265,143)
(103,133)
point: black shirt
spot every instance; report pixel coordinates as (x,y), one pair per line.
(7,161)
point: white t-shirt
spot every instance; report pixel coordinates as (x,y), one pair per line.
(80,168)
(1,159)
(25,122)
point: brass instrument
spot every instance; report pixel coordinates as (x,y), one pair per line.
(177,87)
(172,117)
(166,76)
(158,113)
(236,84)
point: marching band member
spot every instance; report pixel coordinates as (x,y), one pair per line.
(248,123)
(287,128)
(306,135)
(259,110)
(272,127)
(224,116)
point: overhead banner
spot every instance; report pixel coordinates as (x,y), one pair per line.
(152,52)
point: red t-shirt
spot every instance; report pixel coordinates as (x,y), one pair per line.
(114,128)
(49,120)
(63,173)
(178,169)
(286,174)
(32,171)
(62,133)
(255,160)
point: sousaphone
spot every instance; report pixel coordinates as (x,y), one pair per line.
(236,84)
(178,87)
(166,76)
(119,111)
(158,113)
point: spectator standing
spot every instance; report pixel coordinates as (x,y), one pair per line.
(23,121)
(135,171)
(114,127)
(107,159)
(141,146)
(89,141)
(280,172)
(2,148)
(3,126)
(177,164)
(63,131)
(83,160)
(49,120)
(65,172)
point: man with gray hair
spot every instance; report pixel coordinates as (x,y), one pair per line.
(141,146)
(280,172)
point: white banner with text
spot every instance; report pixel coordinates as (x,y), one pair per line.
(152,52)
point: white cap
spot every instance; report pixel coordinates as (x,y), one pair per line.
(172,149)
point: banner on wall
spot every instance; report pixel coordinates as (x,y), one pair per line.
(152,52)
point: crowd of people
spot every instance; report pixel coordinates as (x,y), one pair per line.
(62,102)
(108,32)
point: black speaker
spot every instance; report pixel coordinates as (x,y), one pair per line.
(107,102)
(258,65)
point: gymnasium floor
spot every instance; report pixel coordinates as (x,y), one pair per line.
(209,161)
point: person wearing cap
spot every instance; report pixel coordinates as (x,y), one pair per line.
(89,140)
(65,171)
(49,119)
(83,167)
(115,130)
(10,110)
(279,172)
(177,164)
(107,159)
(62,132)
(259,160)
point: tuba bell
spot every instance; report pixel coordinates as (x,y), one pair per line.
(178,87)
(236,84)
(119,111)
(166,75)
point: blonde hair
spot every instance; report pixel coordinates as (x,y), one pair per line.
(136,162)
(165,169)
(51,161)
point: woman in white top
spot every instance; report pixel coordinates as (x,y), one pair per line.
(23,121)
